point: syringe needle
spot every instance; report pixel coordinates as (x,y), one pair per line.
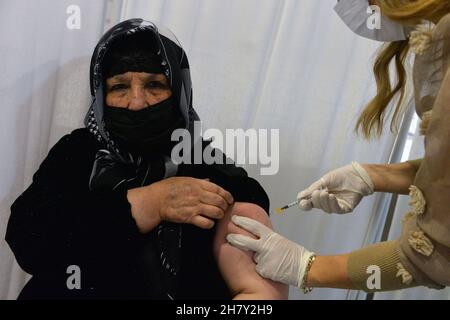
(280,210)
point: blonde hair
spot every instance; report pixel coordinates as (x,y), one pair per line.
(409,13)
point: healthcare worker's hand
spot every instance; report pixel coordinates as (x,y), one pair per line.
(339,191)
(276,257)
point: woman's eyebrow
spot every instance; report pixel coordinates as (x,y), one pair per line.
(147,77)
(121,78)
(154,76)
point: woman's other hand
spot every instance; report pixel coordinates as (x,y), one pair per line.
(180,200)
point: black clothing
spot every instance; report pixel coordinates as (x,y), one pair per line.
(76,211)
(58,222)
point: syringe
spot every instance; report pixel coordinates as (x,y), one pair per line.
(293,204)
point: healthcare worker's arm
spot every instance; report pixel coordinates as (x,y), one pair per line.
(237,267)
(341,190)
(392,178)
(375,268)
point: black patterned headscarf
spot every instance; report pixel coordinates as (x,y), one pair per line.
(175,65)
(117,169)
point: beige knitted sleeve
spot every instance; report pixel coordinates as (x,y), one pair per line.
(415,163)
(378,260)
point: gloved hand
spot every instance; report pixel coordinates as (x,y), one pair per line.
(339,191)
(277,258)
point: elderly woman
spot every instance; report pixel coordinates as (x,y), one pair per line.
(109,200)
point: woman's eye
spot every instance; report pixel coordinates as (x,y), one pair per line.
(118,87)
(155,84)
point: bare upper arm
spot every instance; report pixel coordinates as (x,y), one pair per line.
(237,267)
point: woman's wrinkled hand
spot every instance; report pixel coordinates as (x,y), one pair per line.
(179,200)
(193,201)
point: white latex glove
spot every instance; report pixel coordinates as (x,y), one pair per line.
(277,258)
(339,191)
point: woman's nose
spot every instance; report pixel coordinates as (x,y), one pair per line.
(137,101)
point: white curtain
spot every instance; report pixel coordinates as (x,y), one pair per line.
(290,65)
(44,94)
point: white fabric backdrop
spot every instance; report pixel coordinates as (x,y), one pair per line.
(283,64)
(290,65)
(44,93)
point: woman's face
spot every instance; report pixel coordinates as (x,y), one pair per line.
(136,90)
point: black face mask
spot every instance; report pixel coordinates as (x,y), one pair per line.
(148,131)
